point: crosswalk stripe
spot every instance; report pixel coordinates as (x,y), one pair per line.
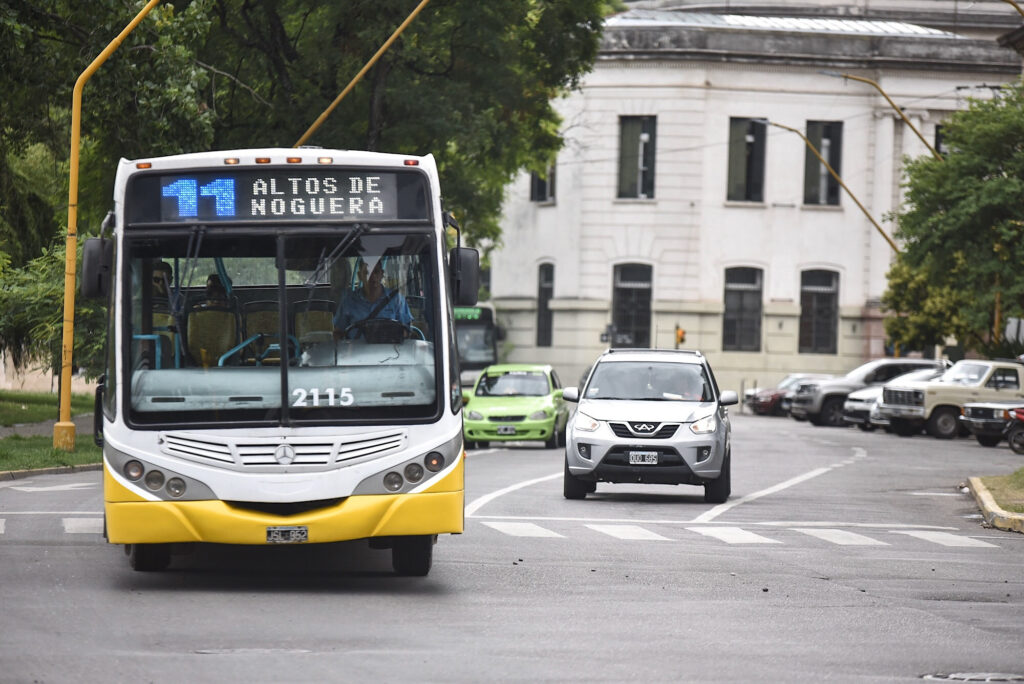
(943,538)
(628,532)
(520,529)
(733,535)
(83,525)
(841,537)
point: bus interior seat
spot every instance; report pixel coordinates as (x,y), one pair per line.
(262,316)
(313,316)
(211,332)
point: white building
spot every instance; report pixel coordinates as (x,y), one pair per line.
(676,203)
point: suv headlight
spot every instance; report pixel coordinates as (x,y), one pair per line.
(585,423)
(538,415)
(704,425)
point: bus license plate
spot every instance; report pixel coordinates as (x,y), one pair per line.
(643,458)
(506,429)
(287,535)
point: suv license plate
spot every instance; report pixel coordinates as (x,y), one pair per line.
(506,429)
(287,535)
(643,458)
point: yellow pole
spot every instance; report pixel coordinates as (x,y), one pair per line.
(362,72)
(64,430)
(892,104)
(840,181)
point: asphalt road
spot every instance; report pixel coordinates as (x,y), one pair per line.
(841,556)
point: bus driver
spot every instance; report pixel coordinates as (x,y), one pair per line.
(371,300)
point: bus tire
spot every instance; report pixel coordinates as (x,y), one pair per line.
(148,557)
(413,556)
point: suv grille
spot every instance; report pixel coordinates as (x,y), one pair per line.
(664,432)
(902,397)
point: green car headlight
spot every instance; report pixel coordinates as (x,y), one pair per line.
(474,415)
(538,415)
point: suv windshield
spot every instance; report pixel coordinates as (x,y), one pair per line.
(656,381)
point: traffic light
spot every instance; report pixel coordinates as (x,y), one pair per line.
(680,336)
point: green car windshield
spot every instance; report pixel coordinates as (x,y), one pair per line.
(522,384)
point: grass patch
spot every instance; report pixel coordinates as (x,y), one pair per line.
(28,453)
(1007,490)
(35,407)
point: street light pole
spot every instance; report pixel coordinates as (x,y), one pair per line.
(64,429)
(835,175)
(836,74)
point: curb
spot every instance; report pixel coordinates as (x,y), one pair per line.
(993,514)
(59,470)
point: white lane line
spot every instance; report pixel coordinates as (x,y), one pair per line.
(733,535)
(522,529)
(718,510)
(944,538)
(936,494)
(486,498)
(83,525)
(841,537)
(3,525)
(628,532)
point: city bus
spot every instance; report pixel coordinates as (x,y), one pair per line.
(477,334)
(255,392)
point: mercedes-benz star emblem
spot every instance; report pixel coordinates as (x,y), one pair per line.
(284,454)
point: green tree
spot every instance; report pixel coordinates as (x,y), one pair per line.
(963,234)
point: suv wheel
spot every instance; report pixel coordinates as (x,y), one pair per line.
(832,412)
(573,488)
(944,423)
(718,490)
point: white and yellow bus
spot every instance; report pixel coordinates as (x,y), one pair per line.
(281,362)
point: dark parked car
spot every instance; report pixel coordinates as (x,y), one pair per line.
(771,401)
(987,420)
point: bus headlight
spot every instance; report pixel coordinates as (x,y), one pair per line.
(176,487)
(393,482)
(414,472)
(133,470)
(434,461)
(154,479)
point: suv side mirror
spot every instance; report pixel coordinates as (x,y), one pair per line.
(728,398)
(571,394)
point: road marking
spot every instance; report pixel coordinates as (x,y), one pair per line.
(58,488)
(522,529)
(733,535)
(628,532)
(944,538)
(475,505)
(3,525)
(936,494)
(841,537)
(858,453)
(83,525)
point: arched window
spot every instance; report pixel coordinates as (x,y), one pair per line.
(545,291)
(819,311)
(631,306)
(741,324)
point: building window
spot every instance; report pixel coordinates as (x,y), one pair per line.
(631,306)
(741,327)
(746,160)
(542,187)
(820,187)
(819,312)
(545,291)
(636,156)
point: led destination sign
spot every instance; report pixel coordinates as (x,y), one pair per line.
(277,194)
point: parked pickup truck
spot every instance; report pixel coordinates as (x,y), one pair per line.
(936,405)
(821,400)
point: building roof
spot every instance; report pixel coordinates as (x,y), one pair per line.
(850,27)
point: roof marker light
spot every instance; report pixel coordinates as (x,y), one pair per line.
(231,160)
(294,160)
(144,165)
(262,160)
(325,160)
(412,162)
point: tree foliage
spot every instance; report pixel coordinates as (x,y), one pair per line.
(963,234)
(470,82)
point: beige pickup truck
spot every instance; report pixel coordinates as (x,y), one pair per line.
(935,404)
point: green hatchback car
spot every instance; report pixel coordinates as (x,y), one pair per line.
(515,402)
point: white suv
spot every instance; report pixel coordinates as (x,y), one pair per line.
(649,416)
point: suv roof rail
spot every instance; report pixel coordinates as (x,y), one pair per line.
(612,350)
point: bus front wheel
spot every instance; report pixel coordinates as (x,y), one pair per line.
(413,556)
(148,557)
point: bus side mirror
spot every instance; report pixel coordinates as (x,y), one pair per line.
(464,269)
(97,263)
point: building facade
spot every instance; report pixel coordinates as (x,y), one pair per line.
(690,206)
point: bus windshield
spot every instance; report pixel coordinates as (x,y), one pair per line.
(301,323)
